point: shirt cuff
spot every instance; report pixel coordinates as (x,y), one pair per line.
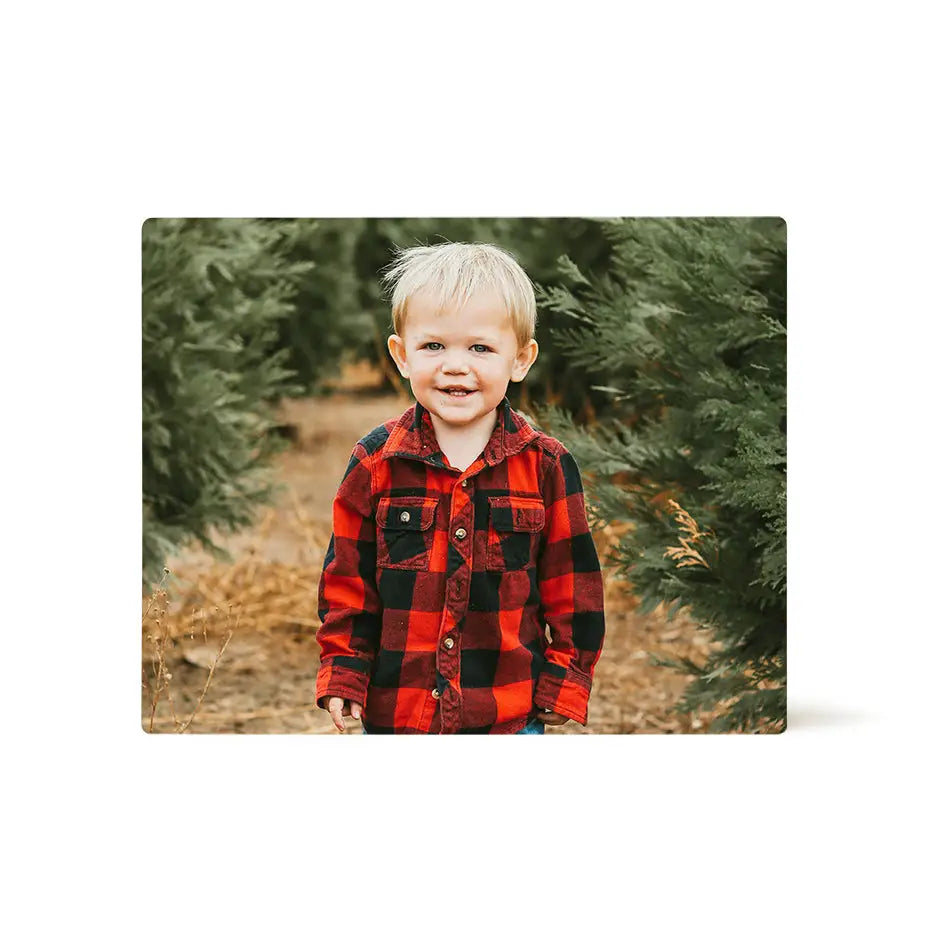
(342,679)
(564,691)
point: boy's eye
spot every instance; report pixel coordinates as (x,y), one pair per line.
(481,348)
(434,346)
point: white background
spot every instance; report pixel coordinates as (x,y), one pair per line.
(114,113)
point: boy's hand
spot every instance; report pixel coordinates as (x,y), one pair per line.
(551,718)
(339,708)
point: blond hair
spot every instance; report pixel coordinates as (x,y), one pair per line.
(452,272)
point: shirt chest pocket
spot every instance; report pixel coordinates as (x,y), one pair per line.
(514,532)
(405,532)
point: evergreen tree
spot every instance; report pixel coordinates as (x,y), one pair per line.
(332,322)
(214,291)
(686,334)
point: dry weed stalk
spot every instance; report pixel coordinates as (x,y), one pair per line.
(155,611)
(159,635)
(686,555)
(208,680)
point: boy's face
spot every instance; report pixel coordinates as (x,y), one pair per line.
(459,363)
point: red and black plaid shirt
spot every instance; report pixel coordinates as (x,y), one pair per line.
(437,584)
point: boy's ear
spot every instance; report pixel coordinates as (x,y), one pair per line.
(523,361)
(399,354)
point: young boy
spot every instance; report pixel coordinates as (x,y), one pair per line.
(459,530)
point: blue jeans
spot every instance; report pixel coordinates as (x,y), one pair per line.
(534,728)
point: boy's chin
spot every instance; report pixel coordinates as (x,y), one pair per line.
(457,415)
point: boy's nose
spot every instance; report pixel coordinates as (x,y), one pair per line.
(455,363)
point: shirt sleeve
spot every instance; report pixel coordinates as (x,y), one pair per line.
(349,606)
(571,587)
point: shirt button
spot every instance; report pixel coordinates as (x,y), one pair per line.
(405,516)
(465,482)
(435,694)
(448,643)
(460,533)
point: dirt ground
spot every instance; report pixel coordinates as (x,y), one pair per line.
(260,610)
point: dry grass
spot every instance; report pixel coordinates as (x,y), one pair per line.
(261,593)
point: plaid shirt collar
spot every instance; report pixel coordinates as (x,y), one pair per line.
(413,437)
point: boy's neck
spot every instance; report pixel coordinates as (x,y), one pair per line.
(463,445)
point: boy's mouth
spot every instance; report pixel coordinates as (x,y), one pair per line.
(457,391)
